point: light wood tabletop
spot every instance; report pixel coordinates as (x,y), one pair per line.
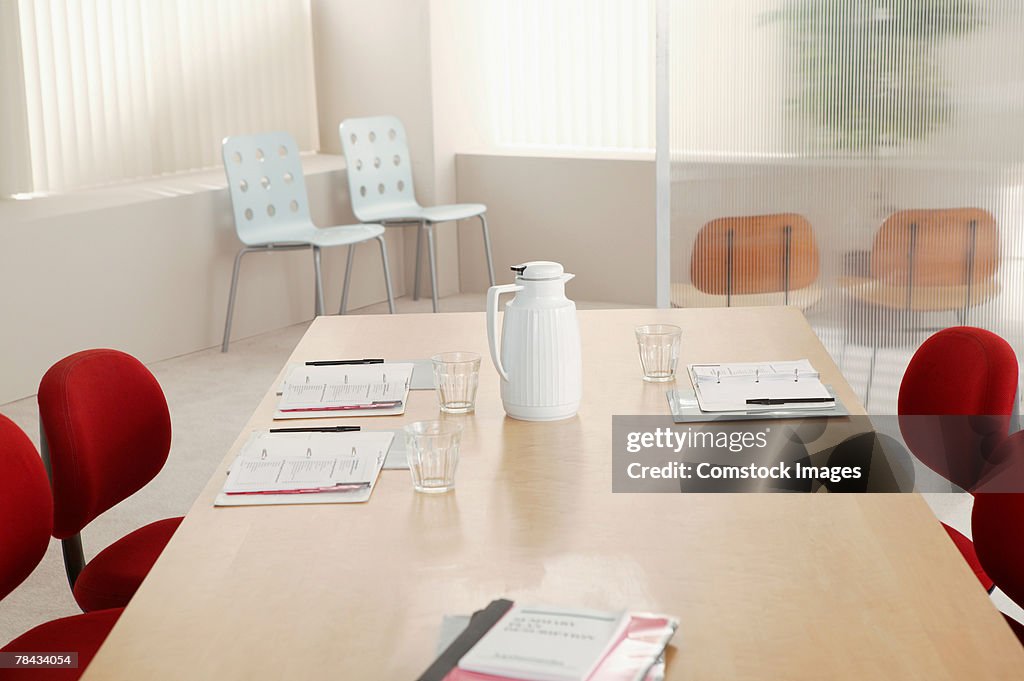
(767,586)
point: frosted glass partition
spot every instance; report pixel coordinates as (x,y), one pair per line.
(875,151)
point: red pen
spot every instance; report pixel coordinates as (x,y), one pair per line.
(351,407)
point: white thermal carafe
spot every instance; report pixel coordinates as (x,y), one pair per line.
(539,357)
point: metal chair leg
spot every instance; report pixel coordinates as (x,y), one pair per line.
(348,277)
(432,252)
(387,273)
(318,301)
(419,252)
(487,248)
(231,297)
(71,547)
(871,377)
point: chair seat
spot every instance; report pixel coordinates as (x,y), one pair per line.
(83,634)
(415,213)
(966,548)
(687,295)
(111,578)
(324,237)
(456,211)
(345,235)
(922,298)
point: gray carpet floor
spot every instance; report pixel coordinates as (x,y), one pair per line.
(211,396)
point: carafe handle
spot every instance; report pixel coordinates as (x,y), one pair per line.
(492,323)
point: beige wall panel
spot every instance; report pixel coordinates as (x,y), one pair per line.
(595,216)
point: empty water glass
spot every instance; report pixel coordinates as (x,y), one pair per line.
(456,375)
(433,453)
(659,350)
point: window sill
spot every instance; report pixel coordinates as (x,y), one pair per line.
(14,211)
(568,154)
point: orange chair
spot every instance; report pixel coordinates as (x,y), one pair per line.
(932,261)
(754,260)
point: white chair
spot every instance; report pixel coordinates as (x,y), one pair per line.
(380,183)
(271,207)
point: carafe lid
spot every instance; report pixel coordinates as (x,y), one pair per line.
(538,270)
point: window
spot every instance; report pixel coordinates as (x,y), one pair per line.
(559,74)
(109,90)
(838,128)
(849,78)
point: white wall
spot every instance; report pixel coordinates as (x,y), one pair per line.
(595,216)
(15,170)
(150,276)
(375,58)
(149,273)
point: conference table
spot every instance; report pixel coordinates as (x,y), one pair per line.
(766,586)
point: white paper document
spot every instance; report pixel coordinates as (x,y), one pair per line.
(296,468)
(545,644)
(759,386)
(345,390)
(422,373)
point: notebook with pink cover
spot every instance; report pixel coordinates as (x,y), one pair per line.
(632,653)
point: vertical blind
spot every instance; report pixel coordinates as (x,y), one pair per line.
(883,139)
(559,74)
(119,89)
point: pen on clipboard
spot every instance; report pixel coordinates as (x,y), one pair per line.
(378,404)
(327,429)
(341,362)
(790,400)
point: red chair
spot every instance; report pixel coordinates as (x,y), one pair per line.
(26,514)
(997,523)
(955,407)
(105,433)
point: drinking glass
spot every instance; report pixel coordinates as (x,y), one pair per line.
(659,351)
(456,375)
(433,452)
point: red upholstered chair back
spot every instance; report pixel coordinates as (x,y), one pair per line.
(26,508)
(997,526)
(108,431)
(956,400)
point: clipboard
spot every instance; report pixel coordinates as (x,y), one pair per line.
(376,440)
(386,391)
(422,373)
(685,409)
(759,386)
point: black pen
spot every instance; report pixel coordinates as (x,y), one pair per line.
(326,429)
(791,400)
(340,362)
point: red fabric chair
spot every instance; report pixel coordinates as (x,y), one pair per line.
(955,406)
(106,433)
(26,514)
(997,523)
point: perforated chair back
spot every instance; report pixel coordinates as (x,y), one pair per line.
(26,507)
(107,431)
(379,167)
(268,191)
(754,254)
